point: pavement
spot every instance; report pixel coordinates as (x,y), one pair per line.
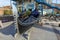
(57,32)
(49,31)
(6,37)
(44,32)
(38,32)
(8,31)
(6,24)
(19,37)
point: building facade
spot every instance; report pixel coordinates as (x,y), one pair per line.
(4,8)
(1,11)
(49,2)
(57,5)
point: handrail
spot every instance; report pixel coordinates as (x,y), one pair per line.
(49,5)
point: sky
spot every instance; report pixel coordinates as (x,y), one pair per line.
(7,2)
(4,2)
(56,1)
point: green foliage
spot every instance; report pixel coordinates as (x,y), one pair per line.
(7,12)
(27,13)
(19,10)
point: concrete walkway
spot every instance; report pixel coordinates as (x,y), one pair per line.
(57,31)
(7,31)
(43,33)
(7,24)
(6,37)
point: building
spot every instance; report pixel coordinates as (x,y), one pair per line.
(28,0)
(1,11)
(7,7)
(4,8)
(49,2)
(25,1)
(57,5)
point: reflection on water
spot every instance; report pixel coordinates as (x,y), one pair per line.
(10,30)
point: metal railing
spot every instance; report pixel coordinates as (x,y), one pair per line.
(7,18)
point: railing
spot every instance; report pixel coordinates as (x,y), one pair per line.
(7,18)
